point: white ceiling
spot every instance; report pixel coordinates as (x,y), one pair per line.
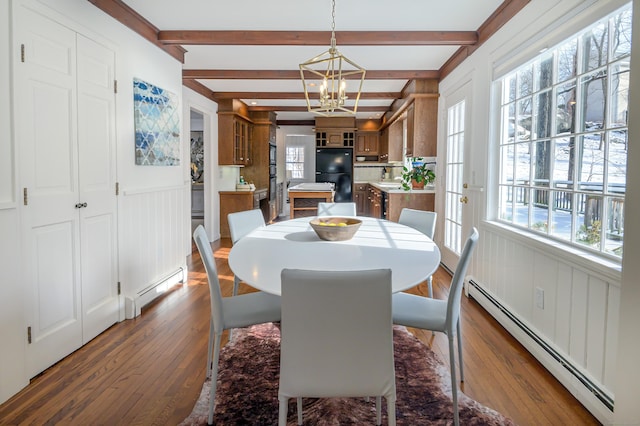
(305,15)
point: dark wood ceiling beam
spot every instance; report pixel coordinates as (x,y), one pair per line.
(290,108)
(318,38)
(296,95)
(295,75)
(199,88)
(295,122)
(121,12)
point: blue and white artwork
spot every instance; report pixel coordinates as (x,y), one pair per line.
(157,125)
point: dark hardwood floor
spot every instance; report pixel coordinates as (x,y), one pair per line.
(149,370)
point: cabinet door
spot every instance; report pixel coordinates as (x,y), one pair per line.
(367,143)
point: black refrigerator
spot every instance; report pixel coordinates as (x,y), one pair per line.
(335,165)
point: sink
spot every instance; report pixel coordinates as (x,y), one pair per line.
(390,185)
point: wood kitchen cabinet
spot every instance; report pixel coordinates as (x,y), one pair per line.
(395,141)
(335,132)
(234,201)
(360,197)
(422,119)
(367,143)
(375,203)
(414,200)
(234,139)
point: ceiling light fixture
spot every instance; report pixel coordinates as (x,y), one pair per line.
(333,70)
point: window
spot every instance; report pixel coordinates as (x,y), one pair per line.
(295,162)
(563,139)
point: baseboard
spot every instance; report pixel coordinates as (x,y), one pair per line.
(133,306)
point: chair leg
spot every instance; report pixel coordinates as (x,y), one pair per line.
(430,286)
(299,410)
(378,410)
(236,284)
(391,410)
(460,351)
(454,384)
(214,377)
(210,350)
(282,411)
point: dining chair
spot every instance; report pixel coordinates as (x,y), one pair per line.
(240,224)
(337,209)
(425,222)
(427,313)
(334,343)
(229,312)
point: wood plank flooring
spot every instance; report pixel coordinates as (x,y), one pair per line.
(149,370)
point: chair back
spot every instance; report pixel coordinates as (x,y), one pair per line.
(337,337)
(457,282)
(422,220)
(337,209)
(241,223)
(206,254)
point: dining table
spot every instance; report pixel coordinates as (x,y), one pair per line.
(259,257)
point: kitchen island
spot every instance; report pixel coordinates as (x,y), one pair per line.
(304,198)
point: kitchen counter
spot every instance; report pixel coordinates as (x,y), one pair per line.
(396,188)
(387,199)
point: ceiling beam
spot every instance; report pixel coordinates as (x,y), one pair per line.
(295,75)
(297,95)
(318,38)
(302,108)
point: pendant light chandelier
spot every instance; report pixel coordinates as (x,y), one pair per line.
(330,71)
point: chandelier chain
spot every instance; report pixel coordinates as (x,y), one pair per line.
(333,24)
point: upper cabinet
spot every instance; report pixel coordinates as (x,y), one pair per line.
(422,129)
(367,143)
(235,134)
(335,132)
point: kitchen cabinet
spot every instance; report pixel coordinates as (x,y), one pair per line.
(395,141)
(234,140)
(367,143)
(262,140)
(335,132)
(375,203)
(396,201)
(360,192)
(422,119)
(236,201)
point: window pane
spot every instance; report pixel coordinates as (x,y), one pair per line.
(523,119)
(521,205)
(541,163)
(615,226)
(594,47)
(509,122)
(567,60)
(540,210)
(525,81)
(565,107)
(591,163)
(509,89)
(621,39)
(544,72)
(523,163)
(617,164)
(589,221)
(561,214)
(507,161)
(592,100)
(506,203)
(619,103)
(563,161)
(542,121)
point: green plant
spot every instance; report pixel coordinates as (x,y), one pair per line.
(589,235)
(419,174)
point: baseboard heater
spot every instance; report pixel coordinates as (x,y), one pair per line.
(133,307)
(590,385)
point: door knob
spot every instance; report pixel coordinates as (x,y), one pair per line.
(464,199)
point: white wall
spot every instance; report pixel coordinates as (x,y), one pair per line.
(152,213)
(582,295)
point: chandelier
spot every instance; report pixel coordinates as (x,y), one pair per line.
(330,72)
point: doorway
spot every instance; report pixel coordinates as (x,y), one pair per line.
(197,168)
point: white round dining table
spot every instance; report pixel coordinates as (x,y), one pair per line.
(259,257)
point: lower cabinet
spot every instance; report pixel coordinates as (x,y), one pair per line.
(235,201)
(360,198)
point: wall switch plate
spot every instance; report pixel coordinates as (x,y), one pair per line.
(539,298)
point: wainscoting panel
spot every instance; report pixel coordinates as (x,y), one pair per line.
(151,242)
(564,312)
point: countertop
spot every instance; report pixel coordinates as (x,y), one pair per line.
(396,188)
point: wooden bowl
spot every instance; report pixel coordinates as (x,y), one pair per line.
(334,228)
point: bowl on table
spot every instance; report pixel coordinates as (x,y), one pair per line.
(334,228)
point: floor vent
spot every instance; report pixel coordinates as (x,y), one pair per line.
(590,385)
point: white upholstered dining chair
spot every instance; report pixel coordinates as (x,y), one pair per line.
(427,313)
(229,312)
(337,209)
(240,224)
(333,343)
(425,222)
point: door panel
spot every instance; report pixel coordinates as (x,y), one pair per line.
(46,137)
(96,142)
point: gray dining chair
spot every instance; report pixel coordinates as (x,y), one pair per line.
(427,313)
(333,344)
(229,312)
(337,209)
(240,224)
(425,222)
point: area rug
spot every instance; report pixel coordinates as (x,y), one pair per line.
(247,391)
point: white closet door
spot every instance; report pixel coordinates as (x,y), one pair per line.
(46,111)
(98,224)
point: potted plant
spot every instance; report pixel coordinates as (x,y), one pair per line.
(417,176)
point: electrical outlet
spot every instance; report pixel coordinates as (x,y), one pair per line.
(539,298)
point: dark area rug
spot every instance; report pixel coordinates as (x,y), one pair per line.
(248,388)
